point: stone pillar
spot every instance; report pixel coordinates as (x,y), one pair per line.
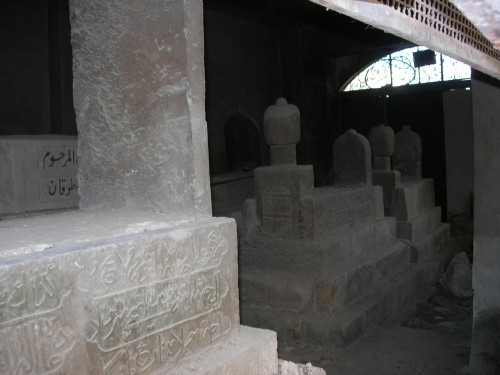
(142,280)
(139,98)
(485,349)
(458,136)
(280,187)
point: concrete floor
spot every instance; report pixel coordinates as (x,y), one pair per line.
(434,341)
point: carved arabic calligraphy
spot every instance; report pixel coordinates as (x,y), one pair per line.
(125,317)
(39,289)
(163,350)
(38,346)
(120,270)
(277,207)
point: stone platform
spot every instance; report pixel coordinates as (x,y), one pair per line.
(124,292)
(351,272)
(418,219)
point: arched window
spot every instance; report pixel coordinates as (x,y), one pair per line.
(410,66)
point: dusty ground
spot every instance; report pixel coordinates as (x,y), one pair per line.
(434,341)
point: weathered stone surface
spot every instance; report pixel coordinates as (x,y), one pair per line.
(139,100)
(278,190)
(407,156)
(391,183)
(251,352)
(381,140)
(332,207)
(138,302)
(321,257)
(38,173)
(458,276)
(419,226)
(414,198)
(352,159)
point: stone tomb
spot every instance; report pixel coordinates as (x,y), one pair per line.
(338,266)
(418,219)
(123,293)
(38,173)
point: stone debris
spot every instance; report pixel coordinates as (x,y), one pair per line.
(458,276)
(290,368)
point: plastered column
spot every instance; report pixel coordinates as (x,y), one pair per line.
(485,349)
(139,100)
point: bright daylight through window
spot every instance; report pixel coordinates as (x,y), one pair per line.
(398,69)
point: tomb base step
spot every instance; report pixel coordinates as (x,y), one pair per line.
(319,294)
(302,256)
(426,247)
(419,226)
(382,303)
(415,197)
(96,290)
(251,352)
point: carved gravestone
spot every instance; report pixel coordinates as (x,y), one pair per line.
(352,159)
(280,187)
(408,153)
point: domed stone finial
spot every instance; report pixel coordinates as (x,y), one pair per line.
(282,131)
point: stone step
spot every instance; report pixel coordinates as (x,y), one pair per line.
(94,290)
(317,294)
(427,246)
(251,352)
(382,303)
(419,226)
(307,257)
(354,241)
(331,207)
(415,197)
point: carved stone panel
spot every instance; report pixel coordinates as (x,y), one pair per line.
(278,192)
(349,206)
(135,304)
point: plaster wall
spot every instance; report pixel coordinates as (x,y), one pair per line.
(24,81)
(485,350)
(242,65)
(457,107)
